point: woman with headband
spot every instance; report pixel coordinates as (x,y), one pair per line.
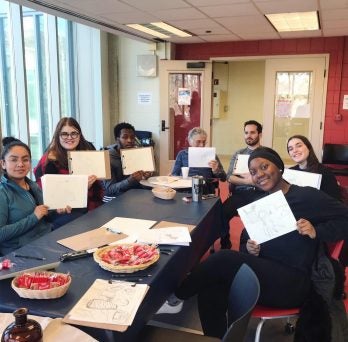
(283,264)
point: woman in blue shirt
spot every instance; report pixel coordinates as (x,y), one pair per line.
(22,214)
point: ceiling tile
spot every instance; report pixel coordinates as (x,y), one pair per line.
(335,14)
(199,3)
(300,34)
(194,24)
(214,31)
(231,10)
(277,6)
(221,38)
(242,24)
(134,17)
(182,13)
(148,5)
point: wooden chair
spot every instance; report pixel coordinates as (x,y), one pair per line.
(265,313)
(244,293)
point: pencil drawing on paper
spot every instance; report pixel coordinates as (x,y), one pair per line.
(268,217)
(114,303)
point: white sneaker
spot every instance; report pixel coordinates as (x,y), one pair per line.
(171,306)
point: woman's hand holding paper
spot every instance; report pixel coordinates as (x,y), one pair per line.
(91,180)
(253,247)
(304,227)
(41,211)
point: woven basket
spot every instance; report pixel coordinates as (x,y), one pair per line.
(52,293)
(163,192)
(121,268)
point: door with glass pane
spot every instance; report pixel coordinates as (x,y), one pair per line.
(295,96)
(185,103)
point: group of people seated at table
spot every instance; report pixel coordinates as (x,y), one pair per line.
(283,265)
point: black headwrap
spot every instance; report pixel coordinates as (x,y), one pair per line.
(269,154)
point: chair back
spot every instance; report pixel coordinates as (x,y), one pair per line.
(335,154)
(243,296)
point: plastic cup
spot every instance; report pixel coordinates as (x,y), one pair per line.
(185,171)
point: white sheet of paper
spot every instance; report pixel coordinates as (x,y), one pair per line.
(171,181)
(136,159)
(166,236)
(115,303)
(60,191)
(126,240)
(241,164)
(90,163)
(129,226)
(302,178)
(268,217)
(200,156)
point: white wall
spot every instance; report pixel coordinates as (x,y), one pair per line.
(245,81)
(144,117)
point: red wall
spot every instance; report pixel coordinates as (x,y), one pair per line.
(337,47)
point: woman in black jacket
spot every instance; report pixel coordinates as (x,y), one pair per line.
(283,264)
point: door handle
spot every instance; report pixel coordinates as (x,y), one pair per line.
(163,126)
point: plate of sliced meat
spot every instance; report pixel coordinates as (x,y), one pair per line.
(126,258)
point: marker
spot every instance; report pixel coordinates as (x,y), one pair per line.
(29,257)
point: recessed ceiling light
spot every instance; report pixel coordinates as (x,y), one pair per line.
(297,21)
(160,30)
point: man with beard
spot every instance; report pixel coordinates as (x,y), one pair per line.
(242,187)
(119,183)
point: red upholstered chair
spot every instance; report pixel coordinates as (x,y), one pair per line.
(265,313)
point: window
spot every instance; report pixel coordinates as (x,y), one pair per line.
(40,74)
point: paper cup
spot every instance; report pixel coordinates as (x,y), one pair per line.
(185,171)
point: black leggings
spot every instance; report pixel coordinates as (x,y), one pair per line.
(281,286)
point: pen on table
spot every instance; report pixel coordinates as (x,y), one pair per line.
(167,249)
(131,275)
(29,257)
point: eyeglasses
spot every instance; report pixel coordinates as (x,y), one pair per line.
(72,135)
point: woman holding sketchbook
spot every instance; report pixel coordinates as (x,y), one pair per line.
(283,264)
(197,137)
(22,214)
(68,137)
(301,152)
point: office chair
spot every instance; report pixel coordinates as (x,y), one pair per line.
(243,295)
(336,154)
(265,313)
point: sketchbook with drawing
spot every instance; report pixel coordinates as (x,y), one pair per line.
(136,159)
(105,305)
(90,163)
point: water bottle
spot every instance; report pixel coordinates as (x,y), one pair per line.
(197,188)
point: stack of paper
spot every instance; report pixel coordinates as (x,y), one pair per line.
(166,236)
(108,305)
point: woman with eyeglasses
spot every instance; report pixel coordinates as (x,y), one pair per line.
(68,137)
(23,217)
